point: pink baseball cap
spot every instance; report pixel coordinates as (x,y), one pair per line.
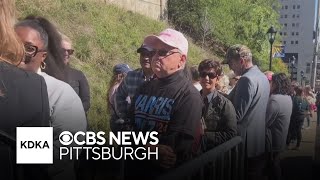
(170,37)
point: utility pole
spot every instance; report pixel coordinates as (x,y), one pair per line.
(316,47)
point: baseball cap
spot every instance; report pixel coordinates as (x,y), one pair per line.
(144,46)
(121,68)
(170,37)
(237,51)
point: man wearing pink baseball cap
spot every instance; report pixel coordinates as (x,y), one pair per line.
(170,105)
(171,54)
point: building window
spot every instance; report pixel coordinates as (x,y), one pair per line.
(298,15)
(308,68)
(280,33)
(285,24)
(293,16)
(297,33)
(284,33)
(297,42)
(298,7)
(286,7)
(292,42)
(282,7)
(284,42)
(294,6)
(285,16)
(292,33)
(293,24)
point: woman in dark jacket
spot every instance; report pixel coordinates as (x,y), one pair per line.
(300,106)
(23,97)
(75,78)
(219,114)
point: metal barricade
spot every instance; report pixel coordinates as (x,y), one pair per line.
(224,162)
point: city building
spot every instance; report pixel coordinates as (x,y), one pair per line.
(297,18)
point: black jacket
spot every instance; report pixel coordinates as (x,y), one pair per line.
(23,103)
(23,99)
(220,120)
(79,83)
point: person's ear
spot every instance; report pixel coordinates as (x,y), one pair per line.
(44,56)
(182,62)
(242,61)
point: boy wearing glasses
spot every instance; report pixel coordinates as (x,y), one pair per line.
(169,105)
(219,114)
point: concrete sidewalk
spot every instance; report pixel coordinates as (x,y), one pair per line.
(301,164)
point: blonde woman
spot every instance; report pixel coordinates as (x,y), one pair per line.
(119,73)
(23,95)
(74,77)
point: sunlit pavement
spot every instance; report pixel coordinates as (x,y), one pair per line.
(303,163)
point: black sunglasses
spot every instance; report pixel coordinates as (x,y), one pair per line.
(32,50)
(211,75)
(146,52)
(69,51)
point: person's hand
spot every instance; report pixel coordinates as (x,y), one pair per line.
(167,157)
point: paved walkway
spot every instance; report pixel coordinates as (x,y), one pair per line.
(301,164)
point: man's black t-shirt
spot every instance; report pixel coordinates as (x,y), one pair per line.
(172,106)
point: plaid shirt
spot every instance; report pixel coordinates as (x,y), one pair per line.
(128,87)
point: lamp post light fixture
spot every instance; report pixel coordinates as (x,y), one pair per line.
(292,62)
(272,35)
(302,77)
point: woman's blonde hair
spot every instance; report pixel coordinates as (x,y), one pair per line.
(65,38)
(115,80)
(11,48)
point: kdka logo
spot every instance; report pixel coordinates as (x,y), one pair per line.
(34,145)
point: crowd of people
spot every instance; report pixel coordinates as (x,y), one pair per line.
(192,109)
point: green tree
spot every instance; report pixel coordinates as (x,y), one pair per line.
(217,24)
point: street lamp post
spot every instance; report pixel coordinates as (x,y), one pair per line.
(292,62)
(302,76)
(272,35)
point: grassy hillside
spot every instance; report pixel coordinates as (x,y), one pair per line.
(103,35)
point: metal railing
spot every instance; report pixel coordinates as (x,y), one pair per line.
(225,162)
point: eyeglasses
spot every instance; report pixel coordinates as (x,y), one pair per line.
(69,51)
(32,50)
(211,75)
(163,52)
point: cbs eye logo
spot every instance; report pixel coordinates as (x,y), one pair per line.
(66,138)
